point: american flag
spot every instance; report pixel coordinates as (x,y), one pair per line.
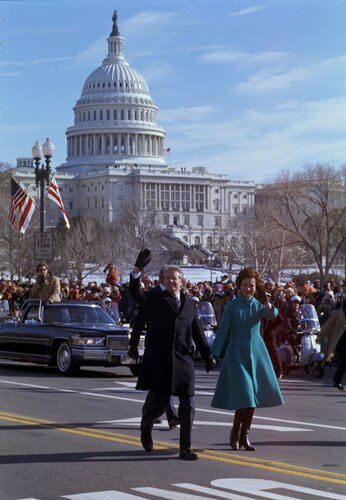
(21,202)
(54,195)
(167,151)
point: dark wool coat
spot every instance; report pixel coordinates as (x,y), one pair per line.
(168,364)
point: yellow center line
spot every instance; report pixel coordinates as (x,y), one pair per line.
(218,456)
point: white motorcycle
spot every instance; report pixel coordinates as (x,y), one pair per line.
(308,353)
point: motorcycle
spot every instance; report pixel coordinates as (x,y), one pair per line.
(306,353)
(207,316)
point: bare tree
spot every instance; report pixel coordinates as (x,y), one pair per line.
(310,208)
(77,249)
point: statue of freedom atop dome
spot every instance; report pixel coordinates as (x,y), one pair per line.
(115,31)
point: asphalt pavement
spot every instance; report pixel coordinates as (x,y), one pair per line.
(78,438)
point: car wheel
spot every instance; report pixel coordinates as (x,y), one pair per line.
(66,365)
(134,369)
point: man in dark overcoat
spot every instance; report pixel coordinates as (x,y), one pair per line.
(168,365)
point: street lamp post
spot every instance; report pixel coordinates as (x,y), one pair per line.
(42,173)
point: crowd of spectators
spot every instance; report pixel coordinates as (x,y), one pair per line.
(115,296)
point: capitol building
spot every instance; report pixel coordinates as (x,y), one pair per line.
(116,155)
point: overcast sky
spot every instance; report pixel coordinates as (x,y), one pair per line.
(245,88)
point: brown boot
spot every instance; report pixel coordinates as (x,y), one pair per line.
(245,429)
(235,432)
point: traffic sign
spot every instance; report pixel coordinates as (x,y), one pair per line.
(43,246)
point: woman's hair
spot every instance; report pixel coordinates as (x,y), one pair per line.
(248,272)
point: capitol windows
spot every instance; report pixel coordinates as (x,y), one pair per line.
(150,194)
(175,220)
(88,203)
(165,192)
(197,241)
(95,202)
(186,220)
(217,221)
(185,197)
(165,219)
(122,116)
(108,144)
(129,114)
(108,117)
(175,192)
(88,116)
(95,118)
(199,190)
(70,205)
(235,210)
(200,220)
(102,203)
(115,114)
(101,114)
(209,242)
(120,201)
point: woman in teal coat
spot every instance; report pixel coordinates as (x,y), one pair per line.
(247,379)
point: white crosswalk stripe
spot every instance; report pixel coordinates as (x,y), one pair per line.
(227,488)
(104,495)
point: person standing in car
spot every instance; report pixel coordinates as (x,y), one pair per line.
(47,287)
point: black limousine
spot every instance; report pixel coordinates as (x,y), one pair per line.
(67,335)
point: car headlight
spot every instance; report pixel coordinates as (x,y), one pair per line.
(89,341)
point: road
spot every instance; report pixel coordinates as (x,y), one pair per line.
(78,438)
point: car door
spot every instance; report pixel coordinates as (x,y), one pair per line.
(30,339)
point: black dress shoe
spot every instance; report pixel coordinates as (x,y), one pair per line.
(187,454)
(147,441)
(172,424)
(339,386)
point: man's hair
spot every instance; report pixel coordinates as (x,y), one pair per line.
(41,264)
(171,268)
(162,273)
(248,272)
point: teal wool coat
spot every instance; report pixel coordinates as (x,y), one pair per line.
(247,378)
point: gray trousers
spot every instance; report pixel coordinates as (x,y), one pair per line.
(157,402)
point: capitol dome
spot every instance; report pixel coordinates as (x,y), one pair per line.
(115,117)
